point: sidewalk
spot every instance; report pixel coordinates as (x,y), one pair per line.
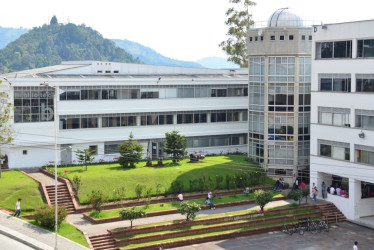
(33,236)
(94,229)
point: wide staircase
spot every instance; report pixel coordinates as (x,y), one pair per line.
(333,214)
(103,241)
(63,196)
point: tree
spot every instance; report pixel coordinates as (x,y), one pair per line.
(85,156)
(305,193)
(132,214)
(238,21)
(131,152)
(296,195)
(262,198)
(6,129)
(175,145)
(189,209)
(53,21)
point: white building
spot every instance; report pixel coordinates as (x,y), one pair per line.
(342,117)
(100,103)
(279,94)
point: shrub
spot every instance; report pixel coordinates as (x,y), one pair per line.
(45,215)
(77,180)
(158,189)
(219,180)
(305,193)
(228,181)
(176,187)
(139,190)
(262,198)
(119,194)
(132,214)
(296,195)
(97,199)
(189,209)
(148,195)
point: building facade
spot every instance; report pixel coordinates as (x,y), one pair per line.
(342,117)
(279,94)
(98,105)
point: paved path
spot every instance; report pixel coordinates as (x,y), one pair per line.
(33,236)
(341,236)
(9,243)
(94,229)
(45,179)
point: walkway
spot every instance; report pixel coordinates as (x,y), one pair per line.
(94,229)
(33,236)
(45,179)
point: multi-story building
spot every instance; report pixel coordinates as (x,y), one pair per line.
(342,116)
(98,105)
(279,94)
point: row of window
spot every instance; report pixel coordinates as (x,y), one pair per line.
(195,142)
(118,120)
(343,49)
(105,93)
(342,83)
(340,117)
(341,151)
(281,38)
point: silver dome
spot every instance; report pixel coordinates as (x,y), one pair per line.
(284,17)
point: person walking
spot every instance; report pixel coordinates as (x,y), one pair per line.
(315,192)
(355,247)
(323,189)
(18,208)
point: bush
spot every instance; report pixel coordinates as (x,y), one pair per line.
(296,195)
(119,194)
(45,215)
(132,214)
(262,198)
(77,180)
(189,209)
(97,199)
(139,190)
(176,187)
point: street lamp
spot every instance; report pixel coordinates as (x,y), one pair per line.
(55,134)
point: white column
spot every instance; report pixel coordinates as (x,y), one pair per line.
(354,199)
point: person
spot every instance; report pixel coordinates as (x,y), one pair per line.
(332,189)
(342,192)
(302,185)
(282,183)
(323,189)
(355,247)
(296,184)
(18,208)
(180,197)
(210,195)
(315,192)
(314,185)
(338,189)
(208,202)
(276,185)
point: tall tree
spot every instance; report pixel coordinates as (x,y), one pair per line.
(131,152)
(239,18)
(175,145)
(6,129)
(85,156)
(53,20)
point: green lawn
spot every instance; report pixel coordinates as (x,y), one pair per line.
(15,185)
(112,176)
(174,205)
(68,231)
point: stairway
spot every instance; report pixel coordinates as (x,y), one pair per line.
(4,166)
(64,197)
(103,241)
(333,214)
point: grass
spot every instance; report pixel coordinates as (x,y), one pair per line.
(15,185)
(174,205)
(112,176)
(67,230)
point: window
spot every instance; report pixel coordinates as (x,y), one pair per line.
(335,150)
(310,38)
(99,71)
(365,83)
(336,49)
(218,117)
(24,152)
(262,38)
(149,95)
(218,92)
(290,37)
(107,71)
(93,148)
(364,154)
(281,38)
(272,38)
(89,122)
(250,39)
(365,48)
(339,83)
(115,71)
(256,38)
(365,119)
(303,37)
(333,116)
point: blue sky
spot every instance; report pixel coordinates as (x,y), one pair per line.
(180,29)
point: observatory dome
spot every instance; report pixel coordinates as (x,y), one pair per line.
(284,17)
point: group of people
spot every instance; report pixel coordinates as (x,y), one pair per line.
(207,201)
(337,191)
(279,185)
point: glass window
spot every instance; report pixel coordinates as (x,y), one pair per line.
(335,49)
(364,85)
(218,92)
(365,48)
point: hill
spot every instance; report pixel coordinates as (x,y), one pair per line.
(51,44)
(150,56)
(217,63)
(8,35)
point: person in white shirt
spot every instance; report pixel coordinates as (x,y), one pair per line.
(332,190)
(355,247)
(338,189)
(210,195)
(18,208)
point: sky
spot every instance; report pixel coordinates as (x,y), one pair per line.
(180,29)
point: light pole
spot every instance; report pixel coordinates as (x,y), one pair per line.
(55,134)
